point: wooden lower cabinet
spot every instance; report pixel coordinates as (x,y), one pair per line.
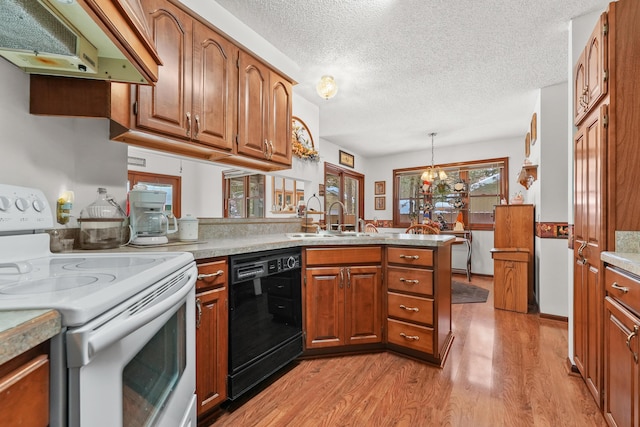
(621,348)
(343,303)
(211,335)
(24,389)
(418,296)
(621,365)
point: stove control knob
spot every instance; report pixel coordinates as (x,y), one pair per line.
(22,204)
(38,205)
(291,262)
(5,203)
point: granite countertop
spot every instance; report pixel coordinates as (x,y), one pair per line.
(21,330)
(628,261)
(233,246)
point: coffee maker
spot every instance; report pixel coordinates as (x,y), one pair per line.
(149,223)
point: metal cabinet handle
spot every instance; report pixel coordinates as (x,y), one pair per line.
(409,281)
(265,149)
(341,278)
(409,256)
(404,307)
(624,289)
(195,135)
(409,337)
(188,123)
(348,278)
(629,338)
(271,149)
(199,310)
(207,276)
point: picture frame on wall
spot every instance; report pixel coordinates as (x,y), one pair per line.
(379,187)
(527,145)
(380,203)
(346,159)
(534,128)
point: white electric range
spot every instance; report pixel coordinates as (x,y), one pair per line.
(126,355)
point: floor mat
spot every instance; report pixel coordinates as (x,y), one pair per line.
(462,293)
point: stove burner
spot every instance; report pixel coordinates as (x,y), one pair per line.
(55,284)
(112,262)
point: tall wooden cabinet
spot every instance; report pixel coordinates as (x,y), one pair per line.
(606,155)
(343,302)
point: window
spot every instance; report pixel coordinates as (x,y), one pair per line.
(244,196)
(484,184)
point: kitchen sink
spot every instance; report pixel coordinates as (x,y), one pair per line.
(330,235)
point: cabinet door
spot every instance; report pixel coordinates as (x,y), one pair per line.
(590,156)
(324,305)
(363,304)
(166,107)
(211,348)
(253,107)
(214,88)
(280,119)
(621,370)
(595,60)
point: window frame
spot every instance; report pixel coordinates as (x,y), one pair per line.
(462,168)
(226,183)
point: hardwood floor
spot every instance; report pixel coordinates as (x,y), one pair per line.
(504,369)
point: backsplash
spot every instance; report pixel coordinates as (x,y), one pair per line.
(628,241)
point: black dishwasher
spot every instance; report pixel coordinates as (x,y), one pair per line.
(265,316)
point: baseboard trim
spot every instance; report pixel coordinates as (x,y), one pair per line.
(571,369)
(554,317)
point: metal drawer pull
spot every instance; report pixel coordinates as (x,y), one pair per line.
(624,289)
(629,338)
(409,256)
(409,281)
(409,337)
(416,309)
(206,276)
(199,310)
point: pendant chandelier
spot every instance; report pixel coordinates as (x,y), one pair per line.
(432,173)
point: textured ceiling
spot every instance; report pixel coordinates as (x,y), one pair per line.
(466,69)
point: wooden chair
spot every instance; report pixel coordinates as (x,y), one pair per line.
(422,229)
(370,228)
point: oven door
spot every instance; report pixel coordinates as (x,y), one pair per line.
(135,366)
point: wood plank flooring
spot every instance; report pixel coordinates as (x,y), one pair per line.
(504,369)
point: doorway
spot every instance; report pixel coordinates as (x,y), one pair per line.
(345,186)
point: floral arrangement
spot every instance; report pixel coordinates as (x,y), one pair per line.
(300,145)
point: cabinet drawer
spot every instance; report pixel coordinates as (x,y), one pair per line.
(419,338)
(410,256)
(623,288)
(410,308)
(344,255)
(410,280)
(212,275)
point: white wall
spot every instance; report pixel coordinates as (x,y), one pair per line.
(54,153)
(550,197)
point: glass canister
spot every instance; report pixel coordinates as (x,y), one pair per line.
(102,223)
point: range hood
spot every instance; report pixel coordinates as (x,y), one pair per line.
(63,38)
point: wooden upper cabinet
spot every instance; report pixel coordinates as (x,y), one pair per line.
(214,88)
(166,107)
(194,96)
(591,71)
(281,97)
(264,112)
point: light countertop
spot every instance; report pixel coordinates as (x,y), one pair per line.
(22,330)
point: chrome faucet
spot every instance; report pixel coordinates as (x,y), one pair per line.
(361,225)
(306,211)
(344,211)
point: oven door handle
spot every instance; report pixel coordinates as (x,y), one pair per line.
(85,342)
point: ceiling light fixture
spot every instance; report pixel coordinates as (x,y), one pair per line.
(432,173)
(327,87)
